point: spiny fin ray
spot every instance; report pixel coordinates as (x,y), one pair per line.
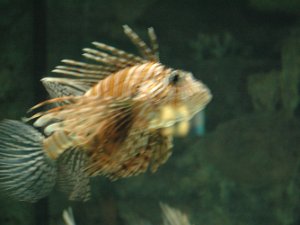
(139,43)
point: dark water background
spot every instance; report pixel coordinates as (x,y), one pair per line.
(243,171)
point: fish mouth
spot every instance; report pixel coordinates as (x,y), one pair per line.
(207,99)
(198,103)
(175,120)
(170,115)
(205,94)
(179,129)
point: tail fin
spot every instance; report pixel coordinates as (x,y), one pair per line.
(26,173)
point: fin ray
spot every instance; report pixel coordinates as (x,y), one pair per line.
(72,177)
(25,172)
(139,43)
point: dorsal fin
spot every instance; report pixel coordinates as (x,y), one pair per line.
(109,58)
(147,52)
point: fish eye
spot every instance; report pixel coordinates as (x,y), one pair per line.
(174,78)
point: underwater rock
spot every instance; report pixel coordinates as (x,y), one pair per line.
(264,89)
(290,76)
(256,149)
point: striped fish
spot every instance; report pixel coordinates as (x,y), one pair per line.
(115,117)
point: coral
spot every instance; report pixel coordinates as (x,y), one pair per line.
(215,46)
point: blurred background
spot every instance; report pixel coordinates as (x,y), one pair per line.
(241,168)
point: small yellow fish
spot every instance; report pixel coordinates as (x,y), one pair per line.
(115,118)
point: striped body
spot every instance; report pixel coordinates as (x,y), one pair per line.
(123,138)
(125,83)
(114,149)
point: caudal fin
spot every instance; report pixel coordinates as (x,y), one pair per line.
(26,173)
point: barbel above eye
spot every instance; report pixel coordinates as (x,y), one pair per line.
(175,77)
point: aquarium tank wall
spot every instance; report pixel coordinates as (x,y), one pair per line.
(239,164)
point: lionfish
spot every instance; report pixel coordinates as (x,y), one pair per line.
(115,117)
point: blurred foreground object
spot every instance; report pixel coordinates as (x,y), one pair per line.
(171,216)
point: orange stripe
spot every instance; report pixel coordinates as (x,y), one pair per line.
(124,82)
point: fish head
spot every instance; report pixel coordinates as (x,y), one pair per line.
(187,92)
(176,96)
